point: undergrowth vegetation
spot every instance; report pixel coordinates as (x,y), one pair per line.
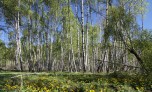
(74,82)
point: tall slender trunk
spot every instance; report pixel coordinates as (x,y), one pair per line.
(69,29)
(51,58)
(93,52)
(29,44)
(87,29)
(38,48)
(78,33)
(82,30)
(108,3)
(62,59)
(18,42)
(47,46)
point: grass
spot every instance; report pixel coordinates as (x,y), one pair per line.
(73,82)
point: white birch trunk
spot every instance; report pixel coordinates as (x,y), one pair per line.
(82,28)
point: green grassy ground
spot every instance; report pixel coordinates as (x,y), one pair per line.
(73,82)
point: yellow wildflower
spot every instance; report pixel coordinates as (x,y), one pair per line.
(92,90)
(47,91)
(45,88)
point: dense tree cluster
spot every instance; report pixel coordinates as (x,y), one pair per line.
(75,35)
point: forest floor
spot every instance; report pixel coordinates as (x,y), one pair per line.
(73,82)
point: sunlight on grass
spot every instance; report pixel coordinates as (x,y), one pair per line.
(72,82)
